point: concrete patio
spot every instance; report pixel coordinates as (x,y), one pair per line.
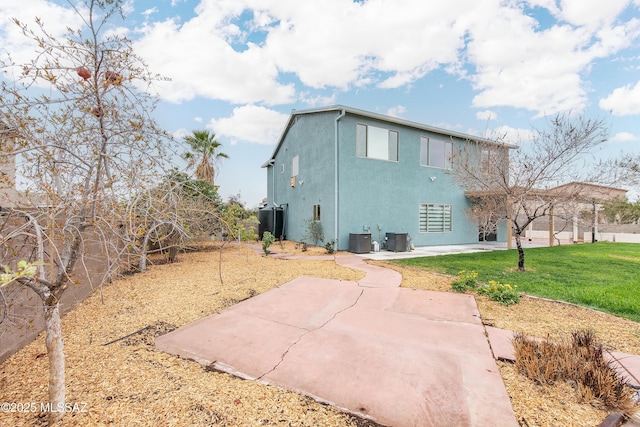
(397,356)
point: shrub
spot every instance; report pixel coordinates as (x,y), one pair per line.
(330,246)
(466,281)
(579,359)
(267,240)
(314,232)
(502,293)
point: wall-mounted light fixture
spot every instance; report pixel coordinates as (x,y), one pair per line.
(432,178)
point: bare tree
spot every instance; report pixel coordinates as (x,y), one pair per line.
(84,141)
(627,169)
(517,184)
(170,215)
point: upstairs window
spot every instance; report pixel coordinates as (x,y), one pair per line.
(294,166)
(435,218)
(493,160)
(436,153)
(376,143)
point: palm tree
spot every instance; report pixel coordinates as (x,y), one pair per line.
(203,154)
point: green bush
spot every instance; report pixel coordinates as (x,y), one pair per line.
(330,246)
(267,240)
(314,232)
(502,293)
(467,280)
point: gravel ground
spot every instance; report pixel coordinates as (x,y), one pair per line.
(128,382)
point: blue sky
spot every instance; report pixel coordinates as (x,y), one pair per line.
(483,67)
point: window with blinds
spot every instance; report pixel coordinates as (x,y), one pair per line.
(435,218)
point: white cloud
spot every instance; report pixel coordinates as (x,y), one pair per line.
(520,65)
(149,12)
(317,100)
(524,68)
(315,40)
(180,134)
(591,13)
(486,115)
(343,44)
(512,135)
(116,32)
(623,101)
(200,62)
(251,123)
(396,111)
(289,49)
(55,18)
(624,137)
(128,7)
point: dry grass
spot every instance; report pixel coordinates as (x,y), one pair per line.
(578,360)
(128,382)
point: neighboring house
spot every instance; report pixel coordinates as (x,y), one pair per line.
(576,212)
(9,197)
(360,172)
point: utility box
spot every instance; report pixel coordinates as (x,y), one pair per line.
(397,242)
(272,220)
(360,243)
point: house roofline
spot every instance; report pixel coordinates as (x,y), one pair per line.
(585,184)
(378,116)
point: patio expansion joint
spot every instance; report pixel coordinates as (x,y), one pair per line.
(308,331)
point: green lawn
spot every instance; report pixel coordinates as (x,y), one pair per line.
(604,276)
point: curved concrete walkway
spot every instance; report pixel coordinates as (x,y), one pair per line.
(400,357)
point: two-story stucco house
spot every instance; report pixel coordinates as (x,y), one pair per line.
(359,172)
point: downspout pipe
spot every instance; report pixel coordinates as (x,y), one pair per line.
(335,178)
(272,165)
(272,169)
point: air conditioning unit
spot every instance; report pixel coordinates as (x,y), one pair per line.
(360,243)
(397,242)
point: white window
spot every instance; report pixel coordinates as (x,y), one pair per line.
(493,159)
(376,143)
(294,166)
(436,153)
(435,218)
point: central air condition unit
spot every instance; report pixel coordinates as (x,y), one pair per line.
(397,242)
(359,243)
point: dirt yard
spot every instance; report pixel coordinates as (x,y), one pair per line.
(128,382)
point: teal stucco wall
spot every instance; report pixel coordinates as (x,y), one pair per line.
(311,137)
(384,196)
(373,195)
